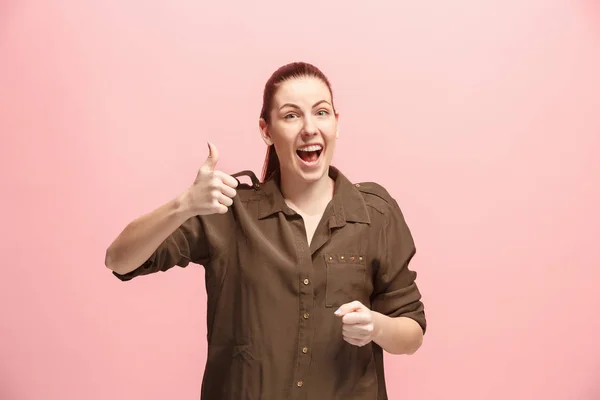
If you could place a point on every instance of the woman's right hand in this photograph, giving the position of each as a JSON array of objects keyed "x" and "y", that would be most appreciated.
[{"x": 212, "y": 191}]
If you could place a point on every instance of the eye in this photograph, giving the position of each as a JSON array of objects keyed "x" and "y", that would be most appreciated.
[
  {"x": 322, "y": 113},
  {"x": 290, "y": 116}
]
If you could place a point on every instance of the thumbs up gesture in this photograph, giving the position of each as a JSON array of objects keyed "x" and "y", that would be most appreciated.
[{"x": 212, "y": 191}]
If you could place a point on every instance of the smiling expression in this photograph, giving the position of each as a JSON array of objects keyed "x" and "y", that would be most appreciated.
[{"x": 303, "y": 127}]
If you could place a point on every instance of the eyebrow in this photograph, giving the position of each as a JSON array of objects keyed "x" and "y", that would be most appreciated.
[{"x": 295, "y": 106}]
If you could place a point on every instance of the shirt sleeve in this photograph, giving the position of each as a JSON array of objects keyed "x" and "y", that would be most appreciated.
[
  {"x": 395, "y": 291},
  {"x": 186, "y": 244}
]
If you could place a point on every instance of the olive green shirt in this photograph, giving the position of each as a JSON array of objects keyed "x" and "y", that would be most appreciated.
[{"x": 272, "y": 332}]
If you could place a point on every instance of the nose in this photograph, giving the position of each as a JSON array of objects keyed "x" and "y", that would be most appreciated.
[{"x": 310, "y": 127}]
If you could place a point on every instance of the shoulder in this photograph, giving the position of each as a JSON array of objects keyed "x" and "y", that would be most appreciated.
[
  {"x": 384, "y": 208},
  {"x": 247, "y": 191},
  {"x": 376, "y": 196}
]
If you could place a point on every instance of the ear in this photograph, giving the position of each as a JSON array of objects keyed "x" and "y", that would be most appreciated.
[
  {"x": 337, "y": 123},
  {"x": 264, "y": 131}
]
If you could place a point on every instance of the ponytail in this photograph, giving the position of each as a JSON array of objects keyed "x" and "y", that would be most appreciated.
[{"x": 271, "y": 164}]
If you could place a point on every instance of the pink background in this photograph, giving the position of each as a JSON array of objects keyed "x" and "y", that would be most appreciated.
[{"x": 481, "y": 117}]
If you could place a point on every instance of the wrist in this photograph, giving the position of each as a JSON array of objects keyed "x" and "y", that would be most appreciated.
[
  {"x": 379, "y": 321},
  {"x": 181, "y": 206}
]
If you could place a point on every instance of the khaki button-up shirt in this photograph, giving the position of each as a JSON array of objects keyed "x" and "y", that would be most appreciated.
[{"x": 272, "y": 332}]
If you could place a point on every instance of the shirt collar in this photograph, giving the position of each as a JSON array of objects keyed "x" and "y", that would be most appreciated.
[{"x": 348, "y": 203}]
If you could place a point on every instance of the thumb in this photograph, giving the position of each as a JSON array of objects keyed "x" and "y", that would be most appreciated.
[
  {"x": 348, "y": 308},
  {"x": 213, "y": 157}
]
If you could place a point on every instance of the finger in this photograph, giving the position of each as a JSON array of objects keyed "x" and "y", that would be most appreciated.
[
  {"x": 349, "y": 307},
  {"x": 356, "y": 317},
  {"x": 356, "y": 331},
  {"x": 347, "y": 333},
  {"x": 227, "y": 180},
  {"x": 211, "y": 160},
  {"x": 220, "y": 209},
  {"x": 227, "y": 190},
  {"x": 226, "y": 201}
]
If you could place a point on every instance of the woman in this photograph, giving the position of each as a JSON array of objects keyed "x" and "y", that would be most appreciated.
[{"x": 306, "y": 273}]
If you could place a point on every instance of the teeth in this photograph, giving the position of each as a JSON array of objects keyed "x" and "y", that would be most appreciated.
[{"x": 315, "y": 147}]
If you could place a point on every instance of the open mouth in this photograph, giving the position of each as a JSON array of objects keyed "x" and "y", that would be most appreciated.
[{"x": 310, "y": 154}]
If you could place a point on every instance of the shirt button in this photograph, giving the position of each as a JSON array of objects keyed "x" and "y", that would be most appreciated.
[
  {"x": 300, "y": 383},
  {"x": 305, "y": 350},
  {"x": 305, "y": 315},
  {"x": 306, "y": 281}
]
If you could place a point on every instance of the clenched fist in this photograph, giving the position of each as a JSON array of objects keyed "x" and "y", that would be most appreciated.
[
  {"x": 212, "y": 191},
  {"x": 358, "y": 327}
]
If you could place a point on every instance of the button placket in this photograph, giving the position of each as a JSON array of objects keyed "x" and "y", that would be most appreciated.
[{"x": 306, "y": 299}]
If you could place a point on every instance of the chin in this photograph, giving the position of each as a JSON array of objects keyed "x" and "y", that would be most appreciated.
[
  {"x": 314, "y": 176},
  {"x": 314, "y": 173}
]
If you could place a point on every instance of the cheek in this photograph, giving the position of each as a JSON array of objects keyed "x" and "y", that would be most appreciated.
[
  {"x": 331, "y": 138},
  {"x": 282, "y": 141},
  {"x": 330, "y": 129},
  {"x": 331, "y": 150}
]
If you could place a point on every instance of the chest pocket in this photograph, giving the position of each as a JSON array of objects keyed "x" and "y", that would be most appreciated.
[{"x": 346, "y": 278}]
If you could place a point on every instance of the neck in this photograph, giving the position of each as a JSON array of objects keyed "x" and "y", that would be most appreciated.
[{"x": 308, "y": 198}]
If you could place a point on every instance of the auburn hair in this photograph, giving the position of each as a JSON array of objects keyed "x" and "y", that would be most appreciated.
[{"x": 284, "y": 73}]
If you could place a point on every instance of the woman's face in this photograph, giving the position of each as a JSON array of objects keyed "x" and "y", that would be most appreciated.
[{"x": 303, "y": 128}]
